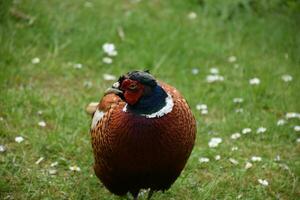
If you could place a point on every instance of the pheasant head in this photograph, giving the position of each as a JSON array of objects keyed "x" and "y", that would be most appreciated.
[{"x": 140, "y": 91}]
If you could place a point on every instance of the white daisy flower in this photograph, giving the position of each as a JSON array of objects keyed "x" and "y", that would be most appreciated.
[
  {"x": 75, "y": 168},
  {"x": 214, "y": 142},
  {"x": 39, "y": 160},
  {"x": 263, "y": 182},
  {"x": 233, "y": 161},
  {"x": 77, "y": 65},
  {"x": 109, "y": 77},
  {"x": 54, "y": 164},
  {"x": 246, "y": 130},
  {"x": 286, "y": 78},
  {"x": 214, "y": 78},
  {"x": 204, "y": 112},
  {"x": 2, "y": 148},
  {"x": 107, "y": 60},
  {"x": 217, "y": 157},
  {"x": 42, "y": 124},
  {"x": 238, "y": 100},
  {"x": 235, "y": 148},
  {"x": 52, "y": 171},
  {"x": 195, "y": 71},
  {"x": 201, "y": 107},
  {"x": 35, "y": 60},
  {"x": 281, "y": 122},
  {"x": 87, "y": 84},
  {"x": 277, "y": 158},
  {"x": 248, "y": 165},
  {"x": 256, "y": 159},
  {"x": 297, "y": 128},
  {"x": 235, "y": 136},
  {"x": 214, "y": 70},
  {"x": 19, "y": 139},
  {"x": 261, "y": 130},
  {"x": 254, "y": 81},
  {"x": 192, "y": 15},
  {"x": 239, "y": 110},
  {"x": 203, "y": 160},
  {"x": 109, "y": 49},
  {"x": 232, "y": 59},
  {"x": 292, "y": 115}
]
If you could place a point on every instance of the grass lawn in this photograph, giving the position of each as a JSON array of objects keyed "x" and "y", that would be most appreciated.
[{"x": 51, "y": 67}]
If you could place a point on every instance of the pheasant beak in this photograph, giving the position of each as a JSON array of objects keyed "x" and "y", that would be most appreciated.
[{"x": 114, "y": 89}]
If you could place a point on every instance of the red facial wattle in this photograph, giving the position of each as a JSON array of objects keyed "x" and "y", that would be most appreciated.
[{"x": 132, "y": 95}]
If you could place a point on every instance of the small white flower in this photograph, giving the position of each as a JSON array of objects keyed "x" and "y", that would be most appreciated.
[
  {"x": 263, "y": 182},
  {"x": 75, "y": 168},
  {"x": 238, "y": 100},
  {"x": 235, "y": 136},
  {"x": 52, "y": 171},
  {"x": 281, "y": 122},
  {"x": 261, "y": 130},
  {"x": 77, "y": 65},
  {"x": 297, "y": 128},
  {"x": 214, "y": 78},
  {"x": 232, "y": 59},
  {"x": 277, "y": 158},
  {"x": 292, "y": 115},
  {"x": 214, "y": 142},
  {"x": 19, "y": 139},
  {"x": 286, "y": 78},
  {"x": 248, "y": 165},
  {"x": 254, "y": 81},
  {"x": 107, "y": 60},
  {"x": 235, "y": 148},
  {"x": 195, "y": 71},
  {"x": 246, "y": 130},
  {"x": 35, "y": 60},
  {"x": 87, "y": 84},
  {"x": 239, "y": 110},
  {"x": 217, "y": 157},
  {"x": 201, "y": 107},
  {"x": 192, "y": 15},
  {"x": 2, "y": 148},
  {"x": 256, "y": 159},
  {"x": 39, "y": 112},
  {"x": 54, "y": 164},
  {"x": 204, "y": 112},
  {"x": 214, "y": 70},
  {"x": 203, "y": 160},
  {"x": 233, "y": 161},
  {"x": 109, "y": 77},
  {"x": 42, "y": 124},
  {"x": 109, "y": 49},
  {"x": 39, "y": 160},
  {"x": 298, "y": 140}
]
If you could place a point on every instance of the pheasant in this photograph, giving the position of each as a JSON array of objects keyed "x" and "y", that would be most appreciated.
[{"x": 143, "y": 132}]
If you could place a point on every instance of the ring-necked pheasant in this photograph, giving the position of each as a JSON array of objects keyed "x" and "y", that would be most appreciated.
[{"x": 143, "y": 132}]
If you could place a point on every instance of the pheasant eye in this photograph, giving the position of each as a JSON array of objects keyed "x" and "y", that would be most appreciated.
[{"x": 132, "y": 86}]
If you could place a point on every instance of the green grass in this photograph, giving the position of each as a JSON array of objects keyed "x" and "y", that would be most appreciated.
[{"x": 158, "y": 36}]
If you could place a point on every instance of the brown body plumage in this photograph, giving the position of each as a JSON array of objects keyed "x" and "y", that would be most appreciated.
[{"x": 133, "y": 152}]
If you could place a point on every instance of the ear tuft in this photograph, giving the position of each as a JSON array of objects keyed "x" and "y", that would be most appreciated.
[{"x": 147, "y": 71}]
